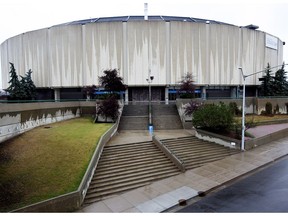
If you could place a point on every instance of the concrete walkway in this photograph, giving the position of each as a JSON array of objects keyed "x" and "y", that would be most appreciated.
[{"x": 164, "y": 194}]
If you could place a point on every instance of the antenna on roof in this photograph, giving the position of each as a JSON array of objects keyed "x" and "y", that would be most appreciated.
[{"x": 145, "y": 11}]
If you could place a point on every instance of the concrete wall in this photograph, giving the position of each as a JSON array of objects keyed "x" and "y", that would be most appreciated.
[
  {"x": 253, "y": 105},
  {"x": 75, "y": 55},
  {"x": 18, "y": 118}
]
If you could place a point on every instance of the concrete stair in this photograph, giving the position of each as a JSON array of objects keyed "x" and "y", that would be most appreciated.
[
  {"x": 195, "y": 152},
  {"x": 134, "y": 117},
  {"x": 128, "y": 166},
  {"x": 166, "y": 117}
]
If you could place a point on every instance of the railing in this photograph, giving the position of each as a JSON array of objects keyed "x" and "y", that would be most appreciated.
[{"x": 171, "y": 155}]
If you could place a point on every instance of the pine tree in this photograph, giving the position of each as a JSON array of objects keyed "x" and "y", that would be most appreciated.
[
  {"x": 266, "y": 87},
  {"x": 28, "y": 87},
  {"x": 280, "y": 84},
  {"x": 21, "y": 90},
  {"x": 14, "y": 89}
]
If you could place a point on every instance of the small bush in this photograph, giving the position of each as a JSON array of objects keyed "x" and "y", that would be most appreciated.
[
  {"x": 191, "y": 107},
  {"x": 213, "y": 117},
  {"x": 268, "y": 108},
  {"x": 234, "y": 108},
  {"x": 276, "y": 110},
  {"x": 109, "y": 108}
]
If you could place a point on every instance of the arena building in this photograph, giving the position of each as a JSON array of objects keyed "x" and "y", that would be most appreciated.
[{"x": 67, "y": 57}]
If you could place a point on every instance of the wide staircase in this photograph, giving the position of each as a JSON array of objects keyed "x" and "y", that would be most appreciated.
[
  {"x": 134, "y": 117},
  {"x": 195, "y": 152},
  {"x": 128, "y": 166},
  {"x": 166, "y": 117}
]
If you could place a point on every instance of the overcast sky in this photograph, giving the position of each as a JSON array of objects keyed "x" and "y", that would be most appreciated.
[{"x": 19, "y": 16}]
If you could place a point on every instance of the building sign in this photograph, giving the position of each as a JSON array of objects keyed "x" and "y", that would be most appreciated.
[{"x": 271, "y": 42}]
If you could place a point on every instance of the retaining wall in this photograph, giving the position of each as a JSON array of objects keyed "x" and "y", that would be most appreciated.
[
  {"x": 20, "y": 117},
  {"x": 252, "y": 105}
]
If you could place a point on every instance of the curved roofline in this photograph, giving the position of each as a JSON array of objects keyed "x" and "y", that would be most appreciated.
[{"x": 141, "y": 18}]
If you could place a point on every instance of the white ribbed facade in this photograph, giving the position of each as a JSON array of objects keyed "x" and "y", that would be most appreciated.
[{"x": 75, "y": 55}]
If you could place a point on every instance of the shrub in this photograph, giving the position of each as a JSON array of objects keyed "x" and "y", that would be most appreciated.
[
  {"x": 268, "y": 108},
  {"x": 191, "y": 107},
  {"x": 109, "y": 108},
  {"x": 234, "y": 108},
  {"x": 213, "y": 117},
  {"x": 276, "y": 110}
]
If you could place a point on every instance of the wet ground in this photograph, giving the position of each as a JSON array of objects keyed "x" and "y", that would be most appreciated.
[{"x": 264, "y": 191}]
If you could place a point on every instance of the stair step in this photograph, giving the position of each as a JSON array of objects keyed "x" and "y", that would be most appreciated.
[
  {"x": 128, "y": 145},
  {"x": 136, "y": 171},
  {"x": 195, "y": 147},
  {"x": 126, "y": 167},
  {"x": 95, "y": 197},
  {"x": 203, "y": 156},
  {"x": 201, "y": 152},
  {"x": 127, "y": 178},
  {"x": 148, "y": 179},
  {"x": 110, "y": 166},
  {"x": 191, "y": 165},
  {"x": 130, "y": 155}
]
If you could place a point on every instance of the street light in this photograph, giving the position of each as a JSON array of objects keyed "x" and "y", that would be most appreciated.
[
  {"x": 149, "y": 80},
  {"x": 243, "y": 102},
  {"x": 243, "y": 112}
]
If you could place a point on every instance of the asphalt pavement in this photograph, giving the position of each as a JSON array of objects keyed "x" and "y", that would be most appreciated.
[{"x": 264, "y": 191}]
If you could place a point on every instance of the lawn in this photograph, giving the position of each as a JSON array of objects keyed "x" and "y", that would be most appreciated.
[
  {"x": 47, "y": 161},
  {"x": 262, "y": 118}
]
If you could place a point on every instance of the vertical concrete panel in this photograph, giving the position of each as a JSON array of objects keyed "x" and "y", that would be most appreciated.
[
  {"x": 138, "y": 52},
  {"x": 15, "y": 54},
  {"x": 188, "y": 51},
  {"x": 4, "y": 61},
  {"x": 66, "y": 55},
  {"x": 168, "y": 53},
  {"x": 125, "y": 59},
  {"x": 158, "y": 51},
  {"x": 103, "y": 49},
  {"x": 181, "y": 50},
  {"x": 35, "y": 55},
  {"x": 146, "y": 50},
  {"x": 223, "y": 52},
  {"x": 273, "y": 56},
  {"x": 253, "y": 53}
]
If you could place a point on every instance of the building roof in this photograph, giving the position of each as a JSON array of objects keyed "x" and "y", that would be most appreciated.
[{"x": 141, "y": 18}]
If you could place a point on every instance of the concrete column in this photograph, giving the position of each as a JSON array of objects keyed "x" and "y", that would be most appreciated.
[
  {"x": 57, "y": 94},
  {"x": 167, "y": 95},
  {"x": 233, "y": 92},
  {"x": 126, "y": 97},
  {"x": 203, "y": 92}
]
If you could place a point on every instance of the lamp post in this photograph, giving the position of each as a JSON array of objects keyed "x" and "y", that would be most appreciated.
[
  {"x": 150, "y": 125},
  {"x": 243, "y": 112},
  {"x": 243, "y": 102}
]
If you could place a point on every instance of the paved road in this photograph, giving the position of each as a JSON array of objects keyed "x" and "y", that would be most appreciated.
[{"x": 264, "y": 191}]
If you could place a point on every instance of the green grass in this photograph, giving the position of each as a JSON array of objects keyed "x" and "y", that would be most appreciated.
[
  {"x": 262, "y": 118},
  {"x": 47, "y": 161}
]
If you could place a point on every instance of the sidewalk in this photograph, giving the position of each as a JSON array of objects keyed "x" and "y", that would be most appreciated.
[{"x": 164, "y": 194}]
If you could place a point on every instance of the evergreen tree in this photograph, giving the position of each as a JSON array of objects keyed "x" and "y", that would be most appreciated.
[
  {"x": 28, "y": 87},
  {"x": 280, "y": 84},
  {"x": 14, "y": 89},
  {"x": 266, "y": 87},
  {"x": 21, "y": 90}
]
